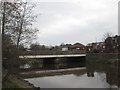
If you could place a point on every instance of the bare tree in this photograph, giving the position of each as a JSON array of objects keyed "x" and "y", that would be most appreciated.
[
  {"x": 10, "y": 14},
  {"x": 17, "y": 19},
  {"x": 106, "y": 35},
  {"x": 25, "y": 31}
]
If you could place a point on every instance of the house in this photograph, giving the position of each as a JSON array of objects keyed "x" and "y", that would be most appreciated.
[
  {"x": 65, "y": 47},
  {"x": 100, "y": 46},
  {"x": 112, "y": 44},
  {"x": 78, "y": 46},
  {"x": 89, "y": 47},
  {"x": 95, "y": 47}
]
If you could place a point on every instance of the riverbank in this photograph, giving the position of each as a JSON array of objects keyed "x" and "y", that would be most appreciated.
[
  {"x": 111, "y": 58},
  {"x": 14, "y": 82}
]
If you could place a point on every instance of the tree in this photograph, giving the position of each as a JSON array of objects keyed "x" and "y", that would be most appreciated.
[
  {"x": 35, "y": 47},
  {"x": 106, "y": 35},
  {"x": 108, "y": 39},
  {"x": 17, "y": 19},
  {"x": 10, "y": 59},
  {"x": 25, "y": 32},
  {"x": 10, "y": 14}
]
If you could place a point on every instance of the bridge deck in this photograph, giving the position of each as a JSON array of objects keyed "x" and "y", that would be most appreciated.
[{"x": 51, "y": 56}]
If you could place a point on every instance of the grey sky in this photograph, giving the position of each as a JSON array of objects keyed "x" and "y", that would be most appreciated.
[{"x": 71, "y": 21}]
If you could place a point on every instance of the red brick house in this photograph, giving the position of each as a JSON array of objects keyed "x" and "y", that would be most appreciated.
[{"x": 78, "y": 46}]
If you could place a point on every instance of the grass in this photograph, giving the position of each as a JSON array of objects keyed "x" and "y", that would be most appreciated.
[
  {"x": 9, "y": 84},
  {"x": 14, "y": 82}
]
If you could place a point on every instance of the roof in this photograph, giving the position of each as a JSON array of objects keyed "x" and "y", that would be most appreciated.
[
  {"x": 78, "y": 45},
  {"x": 91, "y": 44}
]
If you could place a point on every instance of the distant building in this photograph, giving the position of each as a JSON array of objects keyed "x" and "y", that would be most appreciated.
[
  {"x": 78, "y": 46},
  {"x": 65, "y": 49},
  {"x": 95, "y": 47},
  {"x": 90, "y": 47},
  {"x": 111, "y": 45}
]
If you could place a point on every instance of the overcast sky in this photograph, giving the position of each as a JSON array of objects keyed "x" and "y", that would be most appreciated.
[{"x": 72, "y": 21}]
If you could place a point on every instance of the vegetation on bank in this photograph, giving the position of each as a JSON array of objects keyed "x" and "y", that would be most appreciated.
[
  {"x": 14, "y": 82},
  {"x": 53, "y": 52},
  {"x": 106, "y": 58},
  {"x": 9, "y": 84}
]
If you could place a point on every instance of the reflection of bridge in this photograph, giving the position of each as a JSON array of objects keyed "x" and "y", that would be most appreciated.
[{"x": 51, "y": 56}]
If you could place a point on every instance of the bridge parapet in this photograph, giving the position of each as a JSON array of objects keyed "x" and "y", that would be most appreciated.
[{"x": 51, "y": 56}]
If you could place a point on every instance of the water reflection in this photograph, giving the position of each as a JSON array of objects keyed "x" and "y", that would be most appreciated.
[
  {"x": 94, "y": 76},
  {"x": 71, "y": 81},
  {"x": 49, "y": 64},
  {"x": 110, "y": 73},
  {"x": 25, "y": 66}
]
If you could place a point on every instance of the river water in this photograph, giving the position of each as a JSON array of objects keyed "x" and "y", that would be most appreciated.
[{"x": 79, "y": 75}]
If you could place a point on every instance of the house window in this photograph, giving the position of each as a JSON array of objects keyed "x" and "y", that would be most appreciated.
[
  {"x": 89, "y": 49},
  {"x": 64, "y": 49},
  {"x": 113, "y": 46},
  {"x": 97, "y": 43},
  {"x": 103, "y": 46}
]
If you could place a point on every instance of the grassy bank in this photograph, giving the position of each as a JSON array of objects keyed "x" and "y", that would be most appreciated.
[
  {"x": 15, "y": 82},
  {"x": 9, "y": 84}
]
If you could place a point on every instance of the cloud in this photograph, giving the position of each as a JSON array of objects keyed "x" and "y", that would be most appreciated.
[{"x": 76, "y": 20}]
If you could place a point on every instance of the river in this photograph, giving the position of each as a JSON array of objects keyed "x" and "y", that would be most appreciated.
[{"x": 72, "y": 75}]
